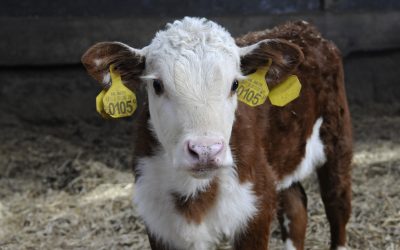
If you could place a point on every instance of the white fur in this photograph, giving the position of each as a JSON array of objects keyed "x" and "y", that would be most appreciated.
[
  {"x": 289, "y": 245},
  {"x": 314, "y": 157},
  {"x": 197, "y": 60},
  {"x": 98, "y": 62},
  {"x": 107, "y": 80},
  {"x": 245, "y": 50},
  {"x": 341, "y": 248},
  {"x": 235, "y": 204},
  {"x": 286, "y": 223}
]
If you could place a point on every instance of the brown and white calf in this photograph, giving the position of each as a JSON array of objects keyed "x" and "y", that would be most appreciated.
[{"x": 209, "y": 167}]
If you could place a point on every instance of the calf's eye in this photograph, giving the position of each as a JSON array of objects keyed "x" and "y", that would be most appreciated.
[
  {"x": 158, "y": 86},
  {"x": 235, "y": 85}
]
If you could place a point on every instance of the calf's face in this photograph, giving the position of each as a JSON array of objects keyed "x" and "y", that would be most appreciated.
[{"x": 191, "y": 73}]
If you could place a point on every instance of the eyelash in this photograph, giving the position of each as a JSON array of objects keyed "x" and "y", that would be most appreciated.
[{"x": 235, "y": 85}]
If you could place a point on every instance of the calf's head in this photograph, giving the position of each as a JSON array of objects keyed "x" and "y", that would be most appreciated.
[{"x": 191, "y": 71}]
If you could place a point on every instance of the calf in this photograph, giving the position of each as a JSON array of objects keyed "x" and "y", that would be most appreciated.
[{"x": 208, "y": 166}]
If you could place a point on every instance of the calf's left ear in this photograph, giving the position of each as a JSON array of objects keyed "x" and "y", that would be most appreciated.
[
  {"x": 285, "y": 57},
  {"x": 128, "y": 62}
]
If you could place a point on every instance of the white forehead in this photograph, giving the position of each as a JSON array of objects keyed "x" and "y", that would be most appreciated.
[
  {"x": 192, "y": 34},
  {"x": 195, "y": 47}
]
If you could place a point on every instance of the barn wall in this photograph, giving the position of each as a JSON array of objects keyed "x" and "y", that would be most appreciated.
[{"x": 42, "y": 41}]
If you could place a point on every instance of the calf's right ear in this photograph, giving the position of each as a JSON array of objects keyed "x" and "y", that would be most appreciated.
[{"x": 128, "y": 62}]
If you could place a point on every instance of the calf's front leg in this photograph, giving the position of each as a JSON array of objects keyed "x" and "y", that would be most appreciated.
[{"x": 292, "y": 215}]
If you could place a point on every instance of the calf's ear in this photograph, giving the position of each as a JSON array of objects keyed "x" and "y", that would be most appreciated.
[
  {"x": 128, "y": 62},
  {"x": 284, "y": 55}
]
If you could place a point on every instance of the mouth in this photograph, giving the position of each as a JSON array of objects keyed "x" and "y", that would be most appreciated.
[{"x": 203, "y": 171}]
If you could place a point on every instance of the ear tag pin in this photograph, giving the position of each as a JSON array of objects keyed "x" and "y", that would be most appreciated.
[
  {"x": 118, "y": 101},
  {"x": 253, "y": 90}
]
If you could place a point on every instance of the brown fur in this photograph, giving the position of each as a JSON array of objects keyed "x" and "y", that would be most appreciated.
[
  {"x": 268, "y": 142},
  {"x": 285, "y": 57},
  {"x": 128, "y": 64},
  {"x": 322, "y": 95},
  {"x": 252, "y": 166},
  {"x": 195, "y": 208}
]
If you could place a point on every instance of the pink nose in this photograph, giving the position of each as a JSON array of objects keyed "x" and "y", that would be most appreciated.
[{"x": 205, "y": 150}]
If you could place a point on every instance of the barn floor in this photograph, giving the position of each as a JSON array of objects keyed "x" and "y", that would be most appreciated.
[{"x": 69, "y": 186}]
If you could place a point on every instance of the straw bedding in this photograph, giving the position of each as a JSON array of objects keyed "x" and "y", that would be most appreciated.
[{"x": 70, "y": 187}]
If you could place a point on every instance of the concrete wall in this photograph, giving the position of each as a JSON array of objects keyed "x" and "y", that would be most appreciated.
[
  {"x": 59, "y": 40},
  {"x": 156, "y": 8},
  {"x": 42, "y": 42}
]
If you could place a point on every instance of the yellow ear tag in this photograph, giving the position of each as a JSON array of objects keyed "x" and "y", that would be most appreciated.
[
  {"x": 100, "y": 106},
  {"x": 118, "y": 101},
  {"x": 253, "y": 90},
  {"x": 285, "y": 92}
]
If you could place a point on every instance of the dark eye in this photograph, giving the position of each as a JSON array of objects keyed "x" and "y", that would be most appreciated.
[
  {"x": 158, "y": 86},
  {"x": 235, "y": 85}
]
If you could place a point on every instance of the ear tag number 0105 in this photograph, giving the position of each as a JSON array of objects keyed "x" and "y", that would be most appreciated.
[
  {"x": 253, "y": 90},
  {"x": 118, "y": 101}
]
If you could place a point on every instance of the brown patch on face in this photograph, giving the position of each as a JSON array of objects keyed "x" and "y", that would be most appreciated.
[{"x": 195, "y": 208}]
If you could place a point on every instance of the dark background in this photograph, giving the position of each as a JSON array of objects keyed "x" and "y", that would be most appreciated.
[{"x": 42, "y": 41}]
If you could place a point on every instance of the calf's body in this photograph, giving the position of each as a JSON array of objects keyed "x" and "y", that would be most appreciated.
[
  {"x": 271, "y": 149},
  {"x": 312, "y": 133}
]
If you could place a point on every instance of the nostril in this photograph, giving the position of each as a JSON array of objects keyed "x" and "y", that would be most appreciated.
[{"x": 192, "y": 151}]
